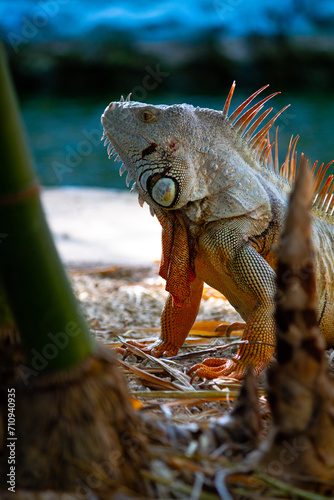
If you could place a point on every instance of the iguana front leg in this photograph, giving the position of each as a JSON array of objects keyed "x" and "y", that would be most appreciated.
[
  {"x": 254, "y": 279},
  {"x": 176, "y": 323}
]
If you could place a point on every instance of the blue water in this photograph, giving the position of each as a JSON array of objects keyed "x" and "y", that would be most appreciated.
[{"x": 64, "y": 134}]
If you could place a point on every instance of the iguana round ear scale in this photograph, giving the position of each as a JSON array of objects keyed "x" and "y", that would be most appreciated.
[{"x": 163, "y": 190}]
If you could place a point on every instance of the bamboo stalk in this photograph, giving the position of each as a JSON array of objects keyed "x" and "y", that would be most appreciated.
[
  {"x": 37, "y": 287},
  {"x": 74, "y": 421}
]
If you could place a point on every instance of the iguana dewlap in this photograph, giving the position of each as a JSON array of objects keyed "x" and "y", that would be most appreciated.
[{"x": 221, "y": 200}]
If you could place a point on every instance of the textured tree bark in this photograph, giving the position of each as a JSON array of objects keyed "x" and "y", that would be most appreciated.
[
  {"x": 299, "y": 448},
  {"x": 78, "y": 429}
]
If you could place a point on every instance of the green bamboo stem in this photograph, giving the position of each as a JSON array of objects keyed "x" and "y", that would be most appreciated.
[{"x": 53, "y": 330}]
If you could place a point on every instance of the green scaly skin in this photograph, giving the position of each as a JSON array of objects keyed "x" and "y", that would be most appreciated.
[{"x": 221, "y": 201}]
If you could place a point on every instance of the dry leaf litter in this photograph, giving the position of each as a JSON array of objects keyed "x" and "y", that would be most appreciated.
[{"x": 194, "y": 455}]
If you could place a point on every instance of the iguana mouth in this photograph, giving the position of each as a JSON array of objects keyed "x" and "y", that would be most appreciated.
[
  {"x": 162, "y": 189},
  {"x": 113, "y": 148},
  {"x": 112, "y": 151}
]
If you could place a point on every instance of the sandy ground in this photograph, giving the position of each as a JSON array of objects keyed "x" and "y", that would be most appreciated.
[{"x": 101, "y": 227}]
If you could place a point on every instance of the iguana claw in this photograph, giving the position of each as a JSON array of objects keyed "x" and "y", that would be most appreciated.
[
  {"x": 212, "y": 368},
  {"x": 164, "y": 348},
  {"x": 160, "y": 348}
]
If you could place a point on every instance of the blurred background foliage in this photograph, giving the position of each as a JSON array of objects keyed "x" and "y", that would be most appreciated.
[{"x": 70, "y": 58}]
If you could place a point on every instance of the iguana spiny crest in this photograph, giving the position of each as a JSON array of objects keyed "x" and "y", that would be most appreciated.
[{"x": 176, "y": 153}]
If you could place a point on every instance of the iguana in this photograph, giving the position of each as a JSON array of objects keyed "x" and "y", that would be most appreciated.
[{"x": 216, "y": 187}]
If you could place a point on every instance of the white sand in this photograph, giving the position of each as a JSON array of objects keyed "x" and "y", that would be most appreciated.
[{"x": 101, "y": 227}]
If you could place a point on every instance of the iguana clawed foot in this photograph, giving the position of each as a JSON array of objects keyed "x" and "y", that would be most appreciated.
[
  {"x": 160, "y": 348},
  {"x": 212, "y": 368}
]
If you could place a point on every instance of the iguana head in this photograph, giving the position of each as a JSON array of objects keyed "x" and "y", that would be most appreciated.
[
  {"x": 180, "y": 154},
  {"x": 157, "y": 146}
]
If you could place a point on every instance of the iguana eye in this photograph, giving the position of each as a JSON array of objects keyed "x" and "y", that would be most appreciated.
[{"x": 147, "y": 116}]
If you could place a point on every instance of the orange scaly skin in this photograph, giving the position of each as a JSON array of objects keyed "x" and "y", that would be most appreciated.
[
  {"x": 221, "y": 200},
  {"x": 176, "y": 322}
]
